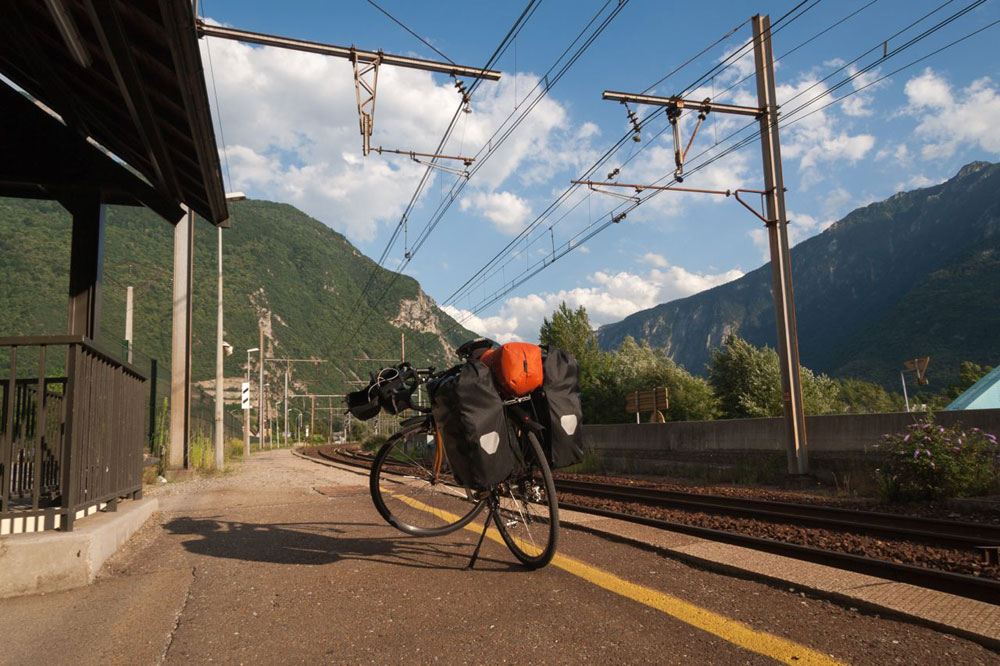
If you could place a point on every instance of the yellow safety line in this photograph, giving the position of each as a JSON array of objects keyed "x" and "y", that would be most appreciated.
[{"x": 733, "y": 631}]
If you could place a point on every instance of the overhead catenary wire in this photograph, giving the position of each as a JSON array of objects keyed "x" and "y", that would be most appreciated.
[
  {"x": 473, "y": 281},
  {"x": 407, "y": 29},
  {"x": 400, "y": 226},
  {"x": 729, "y": 61},
  {"x": 788, "y": 119},
  {"x": 491, "y": 146},
  {"x": 538, "y": 268},
  {"x": 598, "y": 226}
]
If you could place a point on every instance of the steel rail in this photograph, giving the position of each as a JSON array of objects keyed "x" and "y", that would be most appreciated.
[
  {"x": 970, "y": 587},
  {"x": 961, "y": 534}
]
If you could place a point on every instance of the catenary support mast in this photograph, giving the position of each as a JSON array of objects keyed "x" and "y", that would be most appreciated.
[{"x": 774, "y": 218}]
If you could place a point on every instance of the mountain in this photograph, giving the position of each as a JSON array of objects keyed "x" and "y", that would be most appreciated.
[
  {"x": 913, "y": 275},
  {"x": 283, "y": 271}
]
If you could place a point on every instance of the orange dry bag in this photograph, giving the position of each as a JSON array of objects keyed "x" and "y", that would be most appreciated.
[{"x": 517, "y": 367}]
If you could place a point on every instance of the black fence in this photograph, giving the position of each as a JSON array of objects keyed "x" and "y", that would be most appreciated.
[{"x": 72, "y": 430}]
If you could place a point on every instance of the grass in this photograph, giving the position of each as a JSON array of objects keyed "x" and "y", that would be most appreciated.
[{"x": 201, "y": 453}]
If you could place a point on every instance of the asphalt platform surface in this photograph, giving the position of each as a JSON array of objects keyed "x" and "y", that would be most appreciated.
[{"x": 287, "y": 562}]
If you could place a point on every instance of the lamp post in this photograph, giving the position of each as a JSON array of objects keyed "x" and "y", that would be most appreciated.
[
  {"x": 246, "y": 412},
  {"x": 220, "y": 352}
]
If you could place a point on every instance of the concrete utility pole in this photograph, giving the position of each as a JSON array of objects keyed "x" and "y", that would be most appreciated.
[
  {"x": 260, "y": 394},
  {"x": 219, "y": 355},
  {"x": 774, "y": 218}
]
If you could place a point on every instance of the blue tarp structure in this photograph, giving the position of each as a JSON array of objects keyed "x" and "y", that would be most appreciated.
[{"x": 984, "y": 394}]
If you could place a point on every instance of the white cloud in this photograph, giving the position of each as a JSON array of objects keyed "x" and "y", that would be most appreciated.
[
  {"x": 915, "y": 182},
  {"x": 611, "y": 297},
  {"x": 819, "y": 137},
  {"x": 499, "y": 328},
  {"x": 291, "y": 128},
  {"x": 800, "y": 227},
  {"x": 900, "y": 154},
  {"x": 655, "y": 259},
  {"x": 863, "y": 85},
  {"x": 507, "y": 211},
  {"x": 950, "y": 119}
]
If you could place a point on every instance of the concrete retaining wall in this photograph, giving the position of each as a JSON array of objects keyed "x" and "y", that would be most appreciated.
[{"x": 834, "y": 433}]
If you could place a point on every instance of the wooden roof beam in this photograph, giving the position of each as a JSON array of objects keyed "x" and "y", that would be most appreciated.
[{"x": 111, "y": 34}]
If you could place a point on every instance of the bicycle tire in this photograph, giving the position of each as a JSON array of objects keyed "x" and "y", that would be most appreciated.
[
  {"x": 406, "y": 492},
  {"x": 526, "y": 509}
]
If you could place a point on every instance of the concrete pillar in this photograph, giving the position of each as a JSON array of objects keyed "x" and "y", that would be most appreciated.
[{"x": 180, "y": 356}]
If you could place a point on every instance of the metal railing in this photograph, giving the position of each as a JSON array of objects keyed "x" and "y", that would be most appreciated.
[{"x": 71, "y": 430}]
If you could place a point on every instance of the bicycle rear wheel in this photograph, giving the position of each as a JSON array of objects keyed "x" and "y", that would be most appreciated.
[
  {"x": 413, "y": 488},
  {"x": 527, "y": 509}
]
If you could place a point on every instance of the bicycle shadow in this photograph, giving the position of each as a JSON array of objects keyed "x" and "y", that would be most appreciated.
[{"x": 312, "y": 543}]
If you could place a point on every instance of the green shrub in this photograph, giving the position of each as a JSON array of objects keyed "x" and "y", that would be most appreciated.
[
  {"x": 931, "y": 461},
  {"x": 234, "y": 448},
  {"x": 200, "y": 454},
  {"x": 373, "y": 443}
]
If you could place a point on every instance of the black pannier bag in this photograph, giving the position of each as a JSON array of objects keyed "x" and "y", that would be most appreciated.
[
  {"x": 364, "y": 404},
  {"x": 392, "y": 390},
  {"x": 386, "y": 391},
  {"x": 470, "y": 417},
  {"x": 557, "y": 404}
]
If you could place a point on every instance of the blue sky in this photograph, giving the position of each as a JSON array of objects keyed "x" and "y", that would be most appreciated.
[{"x": 290, "y": 128}]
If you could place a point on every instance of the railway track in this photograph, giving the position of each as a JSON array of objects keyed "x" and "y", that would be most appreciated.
[
  {"x": 938, "y": 532},
  {"x": 946, "y": 533}
]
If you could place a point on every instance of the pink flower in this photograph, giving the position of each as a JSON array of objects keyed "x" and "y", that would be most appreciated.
[{"x": 916, "y": 453}]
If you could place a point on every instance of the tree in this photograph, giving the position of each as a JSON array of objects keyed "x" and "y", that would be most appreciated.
[
  {"x": 747, "y": 382},
  {"x": 571, "y": 331},
  {"x": 860, "y": 397},
  {"x": 746, "y": 379},
  {"x": 968, "y": 374},
  {"x": 637, "y": 367}
]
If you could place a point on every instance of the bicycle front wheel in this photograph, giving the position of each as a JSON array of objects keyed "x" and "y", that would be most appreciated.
[
  {"x": 527, "y": 509},
  {"x": 413, "y": 488}
]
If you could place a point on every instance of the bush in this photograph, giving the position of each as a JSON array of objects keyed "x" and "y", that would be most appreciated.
[
  {"x": 373, "y": 443},
  {"x": 931, "y": 461}
]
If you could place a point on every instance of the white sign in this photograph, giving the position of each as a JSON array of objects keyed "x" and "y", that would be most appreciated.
[{"x": 245, "y": 395}]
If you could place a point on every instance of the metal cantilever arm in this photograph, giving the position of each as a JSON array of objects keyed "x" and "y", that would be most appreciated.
[{"x": 750, "y": 208}]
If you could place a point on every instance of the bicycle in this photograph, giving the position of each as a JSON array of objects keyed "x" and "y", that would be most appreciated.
[{"x": 415, "y": 491}]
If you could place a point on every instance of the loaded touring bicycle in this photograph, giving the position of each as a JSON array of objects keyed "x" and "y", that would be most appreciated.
[{"x": 497, "y": 425}]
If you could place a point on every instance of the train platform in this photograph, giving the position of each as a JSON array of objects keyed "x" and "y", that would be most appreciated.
[{"x": 286, "y": 561}]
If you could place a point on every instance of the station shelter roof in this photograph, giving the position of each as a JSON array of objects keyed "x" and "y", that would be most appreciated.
[
  {"x": 984, "y": 394},
  {"x": 117, "y": 103}
]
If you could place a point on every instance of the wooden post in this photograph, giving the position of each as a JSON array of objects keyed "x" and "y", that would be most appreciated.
[{"x": 86, "y": 267}]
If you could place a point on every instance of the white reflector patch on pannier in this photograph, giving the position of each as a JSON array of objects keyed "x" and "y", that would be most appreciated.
[
  {"x": 568, "y": 423},
  {"x": 489, "y": 442}
]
